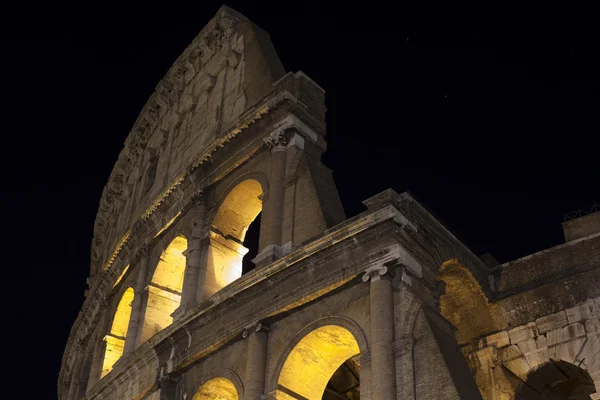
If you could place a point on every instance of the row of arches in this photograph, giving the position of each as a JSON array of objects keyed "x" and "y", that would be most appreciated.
[
  {"x": 223, "y": 261},
  {"x": 322, "y": 364}
]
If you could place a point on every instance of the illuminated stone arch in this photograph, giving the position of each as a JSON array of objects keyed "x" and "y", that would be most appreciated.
[
  {"x": 115, "y": 339},
  {"x": 464, "y": 303},
  {"x": 164, "y": 289},
  {"x": 315, "y": 355},
  {"x": 236, "y": 210},
  {"x": 556, "y": 380},
  {"x": 224, "y": 385}
]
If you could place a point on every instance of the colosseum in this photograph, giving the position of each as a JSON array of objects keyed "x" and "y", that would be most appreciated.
[{"x": 388, "y": 304}]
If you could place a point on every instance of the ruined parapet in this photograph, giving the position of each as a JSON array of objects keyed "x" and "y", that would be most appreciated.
[{"x": 582, "y": 223}]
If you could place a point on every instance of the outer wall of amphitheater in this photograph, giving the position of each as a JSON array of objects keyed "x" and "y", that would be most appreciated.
[{"x": 384, "y": 305}]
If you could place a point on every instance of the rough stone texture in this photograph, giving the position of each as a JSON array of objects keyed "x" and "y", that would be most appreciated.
[
  {"x": 578, "y": 228},
  {"x": 228, "y": 134}
]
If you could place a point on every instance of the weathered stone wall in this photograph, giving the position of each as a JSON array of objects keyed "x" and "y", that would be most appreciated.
[
  {"x": 571, "y": 335},
  {"x": 583, "y": 226},
  {"x": 557, "y": 262},
  {"x": 225, "y": 114}
]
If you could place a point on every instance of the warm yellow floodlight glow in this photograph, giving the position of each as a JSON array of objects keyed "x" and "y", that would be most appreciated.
[
  {"x": 313, "y": 361},
  {"x": 171, "y": 267},
  {"x": 464, "y": 303},
  {"x": 226, "y": 252},
  {"x": 121, "y": 276},
  {"x": 239, "y": 209},
  {"x": 115, "y": 340},
  {"x": 164, "y": 291},
  {"x": 217, "y": 389}
]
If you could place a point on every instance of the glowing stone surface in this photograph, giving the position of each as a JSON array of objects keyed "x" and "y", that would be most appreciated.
[
  {"x": 313, "y": 361},
  {"x": 164, "y": 291},
  {"x": 226, "y": 252},
  {"x": 217, "y": 389},
  {"x": 115, "y": 340}
]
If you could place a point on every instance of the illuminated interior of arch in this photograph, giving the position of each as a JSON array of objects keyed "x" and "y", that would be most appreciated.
[
  {"x": 464, "y": 304},
  {"x": 228, "y": 230},
  {"x": 115, "y": 340},
  {"x": 217, "y": 389},
  {"x": 309, "y": 369},
  {"x": 164, "y": 290}
]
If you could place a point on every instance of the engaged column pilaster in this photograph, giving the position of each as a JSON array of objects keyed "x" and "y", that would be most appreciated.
[
  {"x": 272, "y": 221},
  {"x": 138, "y": 302},
  {"x": 256, "y": 361},
  {"x": 195, "y": 268},
  {"x": 381, "y": 307}
]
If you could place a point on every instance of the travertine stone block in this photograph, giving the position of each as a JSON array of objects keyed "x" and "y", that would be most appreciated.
[
  {"x": 499, "y": 339},
  {"x": 582, "y": 311},
  {"x": 553, "y": 321},
  {"x": 521, "y": 333}
]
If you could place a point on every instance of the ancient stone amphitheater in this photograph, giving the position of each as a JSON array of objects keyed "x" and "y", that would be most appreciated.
[{"x": 385, "y": 305}]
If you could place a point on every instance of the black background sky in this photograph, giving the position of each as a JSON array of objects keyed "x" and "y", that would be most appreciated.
[{"x": 489, "y": 116}]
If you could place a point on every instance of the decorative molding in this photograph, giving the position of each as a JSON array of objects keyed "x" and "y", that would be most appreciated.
[
  {"x": 258, "y": 327},
  {"x": 374, "y": 273},
  {"x": 290, "y": 131}
]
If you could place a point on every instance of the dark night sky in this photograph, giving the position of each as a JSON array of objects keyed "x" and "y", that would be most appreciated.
[{"x": 489, "y": 116}]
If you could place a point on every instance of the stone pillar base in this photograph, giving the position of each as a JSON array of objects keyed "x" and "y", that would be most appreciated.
[{"x": 269, "y": 254}]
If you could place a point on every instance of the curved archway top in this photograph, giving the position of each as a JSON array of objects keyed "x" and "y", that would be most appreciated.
[
  {"x": 556, "y": 380},
  {"x": 192, "y": 87},
  {"x": 316, "y": 353},
  {"x": 120, "y": 321},
  {"x": 239, "y": 208},
  {"x": 464, "y": 303},
  {"x": 217, "y": 388},
  {"x": 170, "y": 269}
]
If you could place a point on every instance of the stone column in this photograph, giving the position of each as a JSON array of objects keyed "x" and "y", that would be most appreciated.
[
  {"x": 168, "y": 387},
  {"x": 272, "y": 220},
  {"x": 381, "y": 308},
  {"x": 195, "y": 265},
  {"x": 256, "y": 361},
  {"x": 139, "y": 298}
]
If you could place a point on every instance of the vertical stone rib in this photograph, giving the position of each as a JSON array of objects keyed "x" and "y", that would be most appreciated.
[
  {"x": 381, "y": 307},
  {"x": 276, "y": 192},
  {"x": 256, "y": 363},
  {"x": 195, "y": 260},
  {"x": 136, "y": 317}
]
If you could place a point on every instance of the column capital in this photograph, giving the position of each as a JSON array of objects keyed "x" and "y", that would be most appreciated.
[
  {"x": 279, "y": 139},
  {"x": 255, "y": 328},
  {"x": 375, "y": 273}
]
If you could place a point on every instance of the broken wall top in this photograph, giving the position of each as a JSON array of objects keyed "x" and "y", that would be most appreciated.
[{"x": 230, "y": 66}]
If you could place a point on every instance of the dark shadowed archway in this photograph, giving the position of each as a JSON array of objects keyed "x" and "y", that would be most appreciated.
[{"x": 557, "y": 380}]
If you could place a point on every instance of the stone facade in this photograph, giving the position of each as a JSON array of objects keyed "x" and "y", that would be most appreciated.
[{"x": 385, "y": 305}]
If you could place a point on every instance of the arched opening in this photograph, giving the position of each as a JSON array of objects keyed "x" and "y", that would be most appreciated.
[
  {"x": 115, "y": 340},
  {"x": 228, "y": 231},
  {"x": 464, "y": 304},
  {"x": 164, "y": 290},
  {"x": 557, "y": 380},
  {"x": 323, "y": 365},
  {"x": 217, "y": 389},
  {"x": 251, "y": 243}
]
